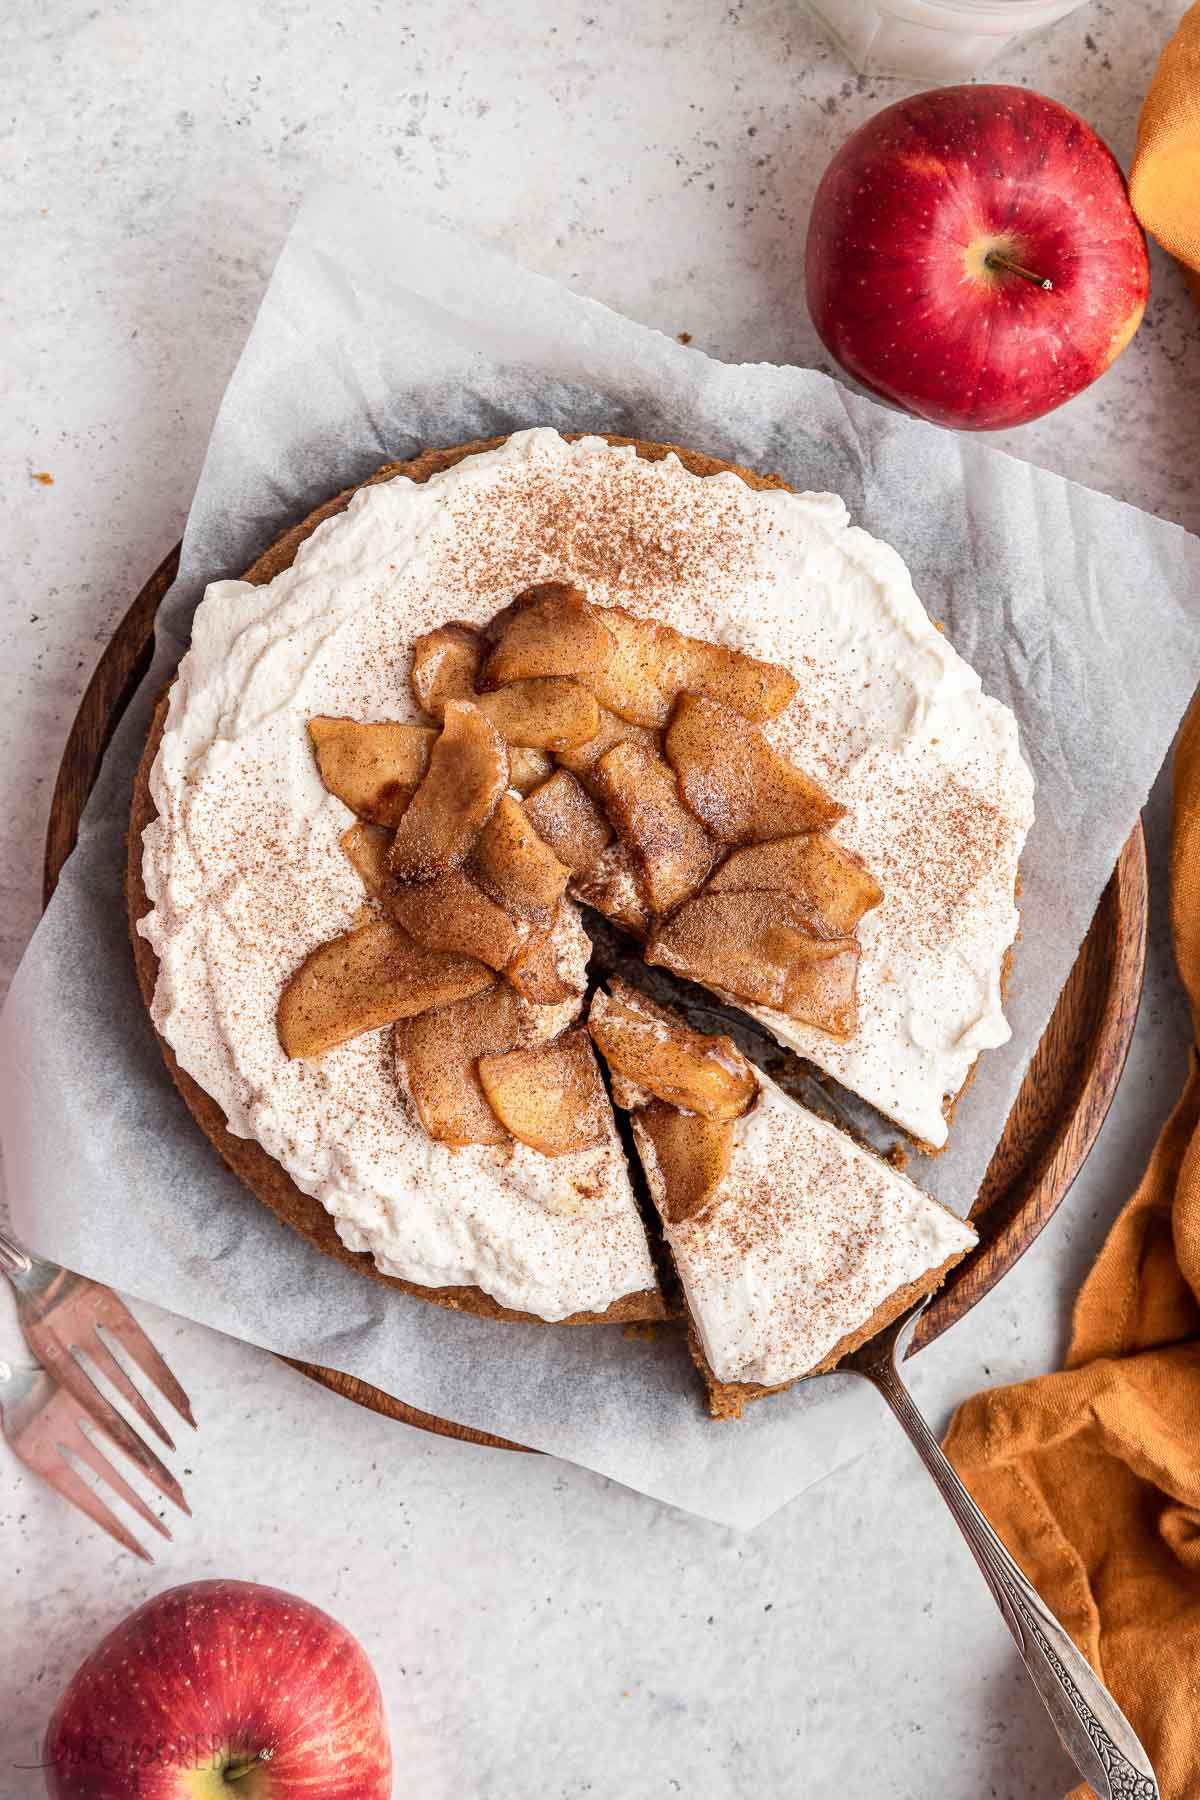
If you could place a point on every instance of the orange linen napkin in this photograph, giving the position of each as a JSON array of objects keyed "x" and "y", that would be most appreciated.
[
  {"x": 1092, "y": 1476},
  {"x": 1164, "y": 183}
]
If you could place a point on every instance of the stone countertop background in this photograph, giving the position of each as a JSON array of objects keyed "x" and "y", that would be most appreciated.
[{"x": 535, "y": 1628}]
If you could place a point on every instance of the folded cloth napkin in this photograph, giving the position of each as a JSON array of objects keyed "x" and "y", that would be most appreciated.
[
  {"x": 1164, "y": 183},
  {"x": 1092, "y": 1476}
]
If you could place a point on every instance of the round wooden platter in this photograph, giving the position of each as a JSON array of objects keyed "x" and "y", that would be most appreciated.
[{"x": 1062, "y": 1104}]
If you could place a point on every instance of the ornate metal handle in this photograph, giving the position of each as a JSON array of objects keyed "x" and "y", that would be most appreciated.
[
  {"x": 1093, "y": 1729},
  {"x": 13, "y": 1260}
]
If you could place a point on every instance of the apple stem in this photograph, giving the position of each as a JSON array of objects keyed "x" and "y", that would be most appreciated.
[
  {"x": 235, "y": 1771},
  {"x": 996, "y": 259}
]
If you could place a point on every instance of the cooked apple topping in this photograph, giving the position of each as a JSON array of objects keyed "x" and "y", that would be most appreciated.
[
  {"x": 445, "y": 666},
  {"x": 756, "y": 690},
  {"x": 511, "y": 863},
  {"x": 834, "y": 884},
  {"x": 527, "y": 769},
  {"x": 822, "y": 988},
  {"x": 369, "y": 849},
  {"x": 565, "y": 816},
  {"x": 645, "y": 667},
  {"x": 467, "y": 773},
  {"x": 735, "y": 783},
  {"x": 613, "y": 885},
  {"x": 548, "y": 712},
  {"x": 452, "y": 913},
  {"x": 373, "y": 769},
  {"x": 551, "y": 629},
  {"x": 437, "y": 1053},
  {"x": 761, "y": 947},
  {"x": 634, "y": 666},
  {"x": 601, "y": 722},
  {"x": 365, "y": 979},
  {"x": 672, "y": 850},
  {"x": 536, "y": 970},
  {"x": 610, "y": 731},
  {"x": 650, "y": 663},
  {"x": 551, "y": 1097},
  {"x": 692, "y": 1157},
  {"x": 702, "y": 1074}
]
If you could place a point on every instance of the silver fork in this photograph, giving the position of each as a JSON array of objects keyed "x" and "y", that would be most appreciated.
[
  {"x": 63, "y": 1316},
  {"x": 43, "y": 1425},
  {"x": 1094, "y": 1731}
]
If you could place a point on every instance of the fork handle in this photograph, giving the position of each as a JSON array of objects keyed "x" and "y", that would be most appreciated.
[
  {"x": 13, "y": 1260},
  {"x": 1094, "y": 1731}
]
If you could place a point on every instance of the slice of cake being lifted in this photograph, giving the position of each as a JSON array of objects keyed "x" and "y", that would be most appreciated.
[{"x": 792, "y": 1243}]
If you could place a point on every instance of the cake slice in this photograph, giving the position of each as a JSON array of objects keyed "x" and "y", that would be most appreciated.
[{"x": 793, "y": 1244}]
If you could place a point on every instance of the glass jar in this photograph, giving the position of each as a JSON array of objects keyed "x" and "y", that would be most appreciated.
[{"x": 933, "y": 40}]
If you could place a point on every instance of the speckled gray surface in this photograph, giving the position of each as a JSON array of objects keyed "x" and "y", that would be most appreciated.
[{"x": 535, "y": 1628}]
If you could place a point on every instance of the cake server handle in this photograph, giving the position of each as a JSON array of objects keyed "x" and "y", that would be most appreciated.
[
  {"x": 1095, "y": 1732},
  {"x": 13, "y": 1260}
]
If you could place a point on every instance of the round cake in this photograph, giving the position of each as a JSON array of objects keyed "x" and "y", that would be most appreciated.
[{"x": 245, "y": 868}]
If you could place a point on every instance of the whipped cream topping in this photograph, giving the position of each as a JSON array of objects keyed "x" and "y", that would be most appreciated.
[
  {"x": 808, "y": 1235},
  {"x": 245, "y": 874}
]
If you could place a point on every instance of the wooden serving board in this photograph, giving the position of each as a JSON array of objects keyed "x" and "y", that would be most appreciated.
[{"x": 1062, "y": 1104}]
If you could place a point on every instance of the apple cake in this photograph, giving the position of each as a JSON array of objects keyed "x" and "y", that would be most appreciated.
[{"x": 504, "y": 683}]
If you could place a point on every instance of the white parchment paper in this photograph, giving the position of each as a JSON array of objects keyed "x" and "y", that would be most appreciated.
[{"x": 379, "y": 336}]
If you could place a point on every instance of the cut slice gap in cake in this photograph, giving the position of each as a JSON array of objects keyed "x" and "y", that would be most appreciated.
[{"x": 664, "y": 1268}]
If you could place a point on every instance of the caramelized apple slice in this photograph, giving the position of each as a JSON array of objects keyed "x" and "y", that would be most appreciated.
[
  {"x": 613, "y": 885},
  {"x": 551, "y": 966},
  {"x": 650, "y": 663},
  {"x": 673, "y": 852},
  {"x": 518, "y": 876},
  {"x": 534, "y": 971},
  {"x": 369, "y": 848},
  {"x": 527, "y": 769},
  {"x": 467, "y": 773},
  {"x": 691, "y": 1157},
  {"x": 565, "y": 816},
  {"x": 445, "y": 667},
  {"x": 451, "y": 913},
  {"x": 739, "y": 943},
  {"x": 706, "y": 1075},
  {"x": 365, "y": 979},
  {"x": 822, "y": 986},
  {"x": 610, "y": 730},
  {"x": 548, "y": 712},
  {"x": 512, "y": 864},
  {"x": 735, "y": 783},
  {"x": 644, "y": 670},
  {"x": 835, "y": 885},
  {"x": 761, "y": 947},
  {"x": 436, "y": 1054},
  {"x": 373, "y": 769},
  {"x": 757, "y": 690},
  {"x": 551, "y": 1097},
  {"x": 548, "y": 630}
]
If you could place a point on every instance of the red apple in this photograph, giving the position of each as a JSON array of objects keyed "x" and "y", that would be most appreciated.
[
  {"x": 222, "y": 1690},
  {"x": 972, "y": 256}
]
